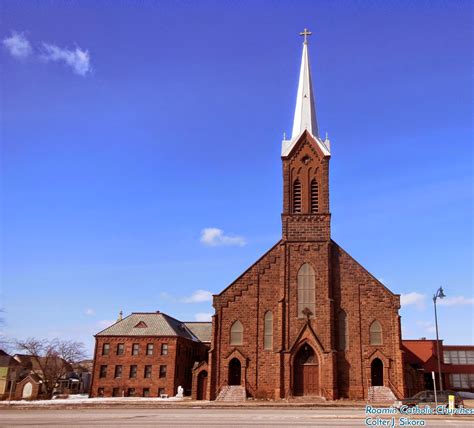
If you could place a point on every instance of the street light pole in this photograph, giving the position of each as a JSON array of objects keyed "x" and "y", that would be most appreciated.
[{"x": 441, "y": 295}]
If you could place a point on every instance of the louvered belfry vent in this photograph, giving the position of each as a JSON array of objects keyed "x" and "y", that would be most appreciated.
[
  {"x": 314, "y": 196},
  {"x": 297, "y": 196}
]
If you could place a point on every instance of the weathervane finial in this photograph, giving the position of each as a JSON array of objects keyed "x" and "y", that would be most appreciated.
[{"x": 305, "y": 34}]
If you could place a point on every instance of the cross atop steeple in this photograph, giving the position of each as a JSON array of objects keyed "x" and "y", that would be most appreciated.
[{"x": 305, "y": 34}]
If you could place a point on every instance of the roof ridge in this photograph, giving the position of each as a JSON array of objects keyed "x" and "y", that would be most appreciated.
[
  {"x": 197, "y": 322},
  {"x": 116, "y": 322}
]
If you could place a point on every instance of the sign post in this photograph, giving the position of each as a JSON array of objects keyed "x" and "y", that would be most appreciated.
[{"x": 434, "y": 386}]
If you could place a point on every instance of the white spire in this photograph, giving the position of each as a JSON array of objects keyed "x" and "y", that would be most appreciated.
[
  {"x": 305, "y": 115},
  {"x": 305, "y": 111}
]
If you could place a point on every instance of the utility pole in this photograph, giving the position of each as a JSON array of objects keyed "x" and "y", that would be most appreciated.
[{"x": 439, "y": 294}]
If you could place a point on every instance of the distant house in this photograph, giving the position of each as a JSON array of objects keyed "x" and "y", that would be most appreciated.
[
  {"x": 30, "y": 382},
  {"x": 83, "y": 371},
  {"x": 10, "y": 370},
  {"x": 148, "y": 354}
]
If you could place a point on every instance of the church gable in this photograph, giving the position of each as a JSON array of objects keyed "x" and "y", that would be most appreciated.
[
  {"x": 249, "y": 278},
  {"x": 346, "y": 269},
  {"x": 307, "y": 335},
  {"x": 306, "y": 140}
]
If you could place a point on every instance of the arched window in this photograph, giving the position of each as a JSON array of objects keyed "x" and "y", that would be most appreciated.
[
  {"x": 376, "y": 333},
  {"x": 297, "y": 196},
  {"x": 342, "y": 330},
  {"x": 237, "y": 333},
  {"x": 268, "y": 331},
  {"x": 314, "y": 196},
  {"x": 306, "y": 291}
]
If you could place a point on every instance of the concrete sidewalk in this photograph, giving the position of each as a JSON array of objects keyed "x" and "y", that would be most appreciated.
[{"x": 156, "y": 403}]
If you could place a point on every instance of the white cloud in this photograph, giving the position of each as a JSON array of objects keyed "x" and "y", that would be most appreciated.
[
  {"x": 455, "y": 301},
  {"x": 78, "y": 59},
  {"x": 413, "y": 298},
  {"x": 18, "y": 45},
  {"x": 214, "y": 237},
  {"x": 89, "y": 311},
  {"x": 198, "y": 297},
  {"x": 427, "y": 326},
  {"x": 203, "y": 316}
]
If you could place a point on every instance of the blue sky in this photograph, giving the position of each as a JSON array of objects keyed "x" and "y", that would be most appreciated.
[{"x": 130, "y": 127}]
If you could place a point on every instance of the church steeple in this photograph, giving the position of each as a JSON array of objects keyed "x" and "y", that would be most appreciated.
[
  {"x": 305, "y": 110},
  {"x": 305, "y": 160},
  {"x": 305, "y": 114}
]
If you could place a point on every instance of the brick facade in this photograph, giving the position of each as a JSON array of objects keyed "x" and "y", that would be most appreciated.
[
  {"x": 179, "y": 360},
  {"x": 341, "y": 284}
]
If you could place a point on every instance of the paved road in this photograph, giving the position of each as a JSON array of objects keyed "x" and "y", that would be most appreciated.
[{"x": 198, "y": 417}]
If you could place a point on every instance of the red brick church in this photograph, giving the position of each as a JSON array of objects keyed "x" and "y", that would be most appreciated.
[{"x": 306, "y": 319}]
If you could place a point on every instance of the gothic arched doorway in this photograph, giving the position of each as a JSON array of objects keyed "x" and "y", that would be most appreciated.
[
  {"x": 306, "y": 372},
  {"x": 235, "y": 370},
  {"x": 376, "y": 372},
  {"x": 202, "y": 385}
]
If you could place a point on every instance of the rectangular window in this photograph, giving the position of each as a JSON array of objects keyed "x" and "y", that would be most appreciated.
[
  {"x": 135, "y": 348},
  {"x": 118, "y": 371},
  {"x": 462, "y": 380},
  {"x": 162, "y": 371},
  {"x": 149, "y": 349},
  {"x": 161, "y": 392},
  {"x": 164, "y": 349},
  {"x": 105, "y": 349},
  {"x": 100, "y": 392},
  {"x": 131, "y": 392},
  {"x": 116, "y": 392},
  {"x": 147, "y": 373},
  {"x": 103, "y": 371},
  {"x": 133, "y": 371},
  {"x": 120, "y": 349},
  {"x": 459, "y": 357},
  {"x": 146, "y": 392}
]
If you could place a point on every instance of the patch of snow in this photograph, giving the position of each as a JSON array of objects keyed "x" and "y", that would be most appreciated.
[{"x": 83, "y": 398}]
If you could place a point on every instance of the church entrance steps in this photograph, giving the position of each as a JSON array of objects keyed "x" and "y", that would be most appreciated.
[
  {"x": 381, "y": 394},
  {"x": 234, "y": 393}
]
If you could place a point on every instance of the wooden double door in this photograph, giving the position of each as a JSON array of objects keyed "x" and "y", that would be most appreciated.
[{"x": 306, "y": 372}]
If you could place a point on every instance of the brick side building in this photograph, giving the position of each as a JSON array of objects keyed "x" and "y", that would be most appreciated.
[
  {"x": 147, "y": 355},
  {"x": 306, "y": 318},
  {"x": 420, "y": 359}
]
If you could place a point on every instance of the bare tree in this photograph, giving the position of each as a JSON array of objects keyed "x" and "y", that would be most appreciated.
[{"x": 51, "y": 359}]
